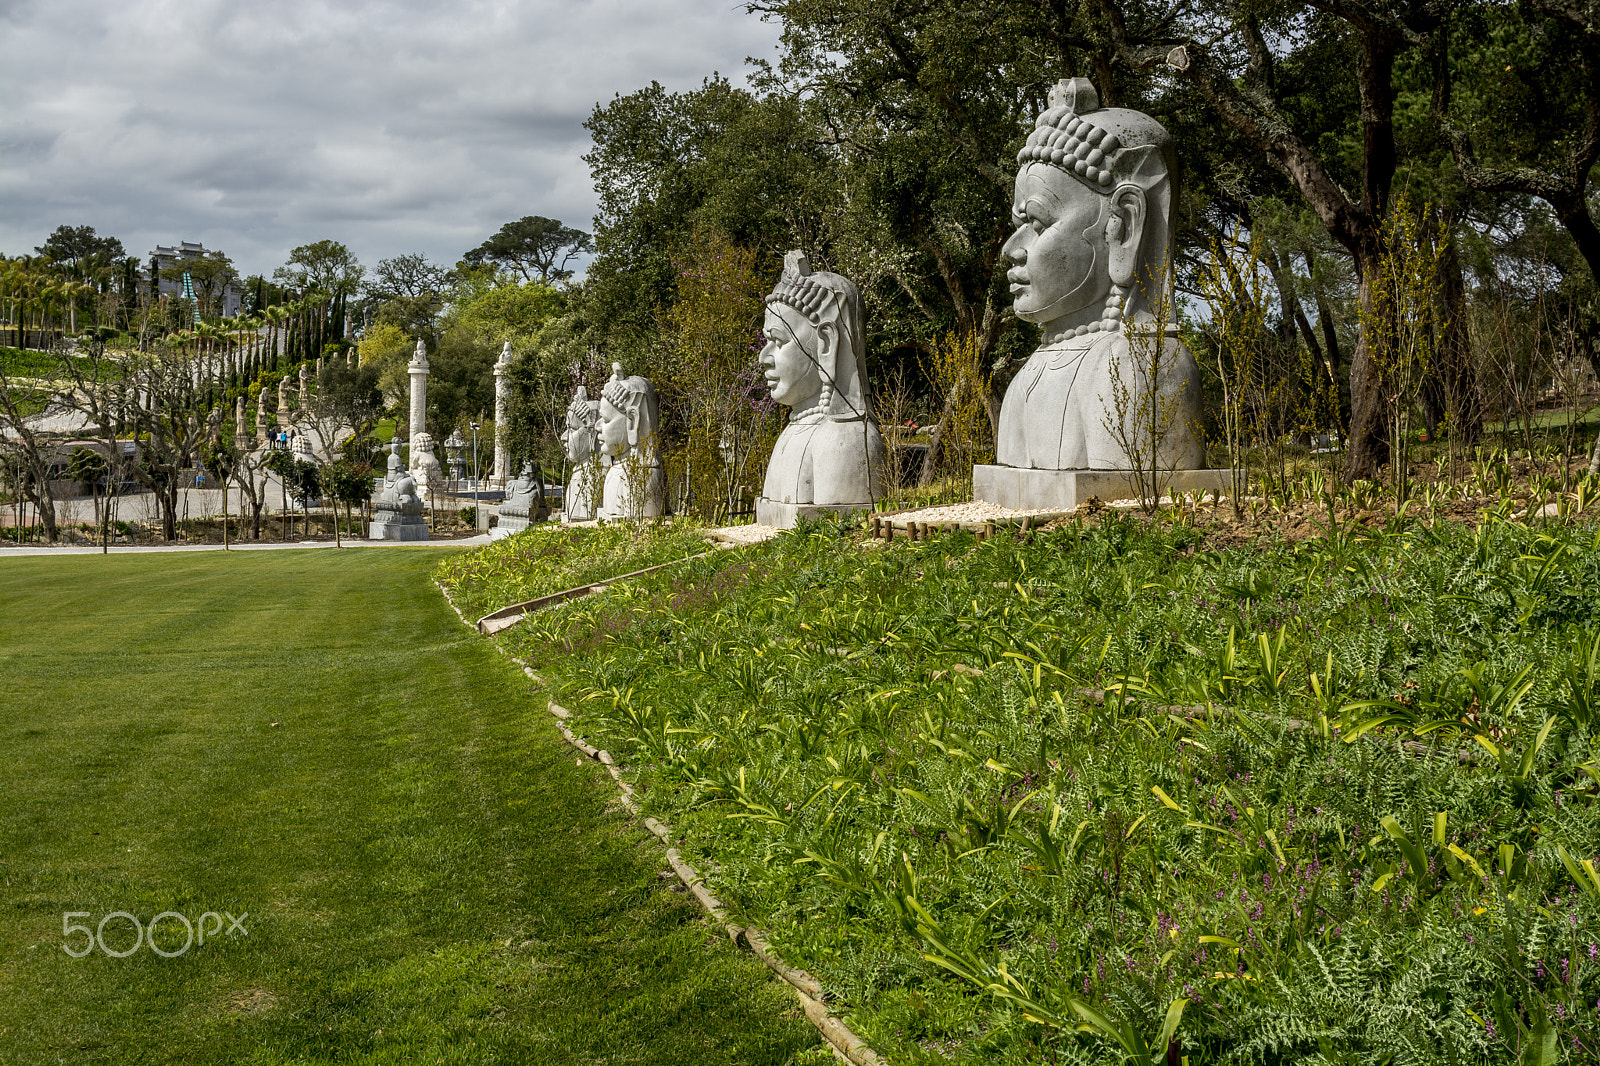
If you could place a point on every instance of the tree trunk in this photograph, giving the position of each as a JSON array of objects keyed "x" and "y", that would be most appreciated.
[
  {"x": 46, "y": 508},
  {"x": 1457, "y": 377},
  {"x": 169, "y": 520},
  {"x": 1368, "y": 440}
]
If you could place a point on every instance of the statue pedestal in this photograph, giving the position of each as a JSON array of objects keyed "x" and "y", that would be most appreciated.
[
  {"x": 788, "y": 515},
  {"x": 514, "y": 519},
  {"x": 392, "y": 525},
  {"x": 1022, "y": 489}
]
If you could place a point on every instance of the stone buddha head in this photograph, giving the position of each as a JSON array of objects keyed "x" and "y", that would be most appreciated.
[
  {"x": 579, "y": 437},
  {"x": 1093, "y": 215},
  {"x": 628, "y": 414},
  {"x": 814, "y": 332}
]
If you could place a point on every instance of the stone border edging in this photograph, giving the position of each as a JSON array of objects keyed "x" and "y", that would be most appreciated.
[
  {"x": 806, "y": 987},
  {"x": 505, "y": 617},
  {"x": 883, "y": 525},
  {"x": 841, "y": 1040}
]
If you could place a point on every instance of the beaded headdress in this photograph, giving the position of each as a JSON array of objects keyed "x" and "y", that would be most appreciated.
[
  {"x": 582, "y": 411},
  {"x": 1101, "y": 147},
  {"x": 633, "y": 393},
  {"x": 825, "y": 297}
]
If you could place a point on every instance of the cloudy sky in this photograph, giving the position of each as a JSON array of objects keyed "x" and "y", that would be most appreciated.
[{"x": 393, "y": 127}]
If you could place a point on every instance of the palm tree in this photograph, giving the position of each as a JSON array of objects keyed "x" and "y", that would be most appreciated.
[{"x": 275, "y": 316}]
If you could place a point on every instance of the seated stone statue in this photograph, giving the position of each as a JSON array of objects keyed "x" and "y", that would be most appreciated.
[
  {"x": 1088, "y": 263},
  {"x": 635, "y": 483},
  {"x": 398, "y": 509},
  {"x": 581, "y": 442},
  {"x": 830, "y": 455},
  {"x": 425, "y": 466},
  {"x": 524, "y": 503}
]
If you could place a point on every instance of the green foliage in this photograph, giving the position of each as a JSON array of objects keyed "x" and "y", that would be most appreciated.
[
  {"x": 542, "y": 560},
  {"x": 345, "y": 481},
  {"x": 324, "y": 266},
  {"x": 536, "y": 247},
  {"x": 1337, "y": 795}
]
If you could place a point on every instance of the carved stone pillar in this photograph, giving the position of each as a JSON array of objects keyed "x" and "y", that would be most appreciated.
[
  {"x": 502, "y": 453},
  {"x": 418, "y": 369}
]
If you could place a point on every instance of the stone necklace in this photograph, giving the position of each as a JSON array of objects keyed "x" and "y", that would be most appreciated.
[{"x": 1109, "y": 322}]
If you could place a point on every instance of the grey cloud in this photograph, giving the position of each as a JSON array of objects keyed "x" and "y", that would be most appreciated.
[{"x": 394, "y": 127}]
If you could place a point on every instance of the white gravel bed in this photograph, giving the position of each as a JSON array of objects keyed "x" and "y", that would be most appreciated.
[
  {"x": 971, "y": 511},
  {"x": 751, "y": 534}
]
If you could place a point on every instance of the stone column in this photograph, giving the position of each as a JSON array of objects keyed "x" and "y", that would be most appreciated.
[
  {"x": 418, "y": 370},
  {"x": 502, "y": 453}
]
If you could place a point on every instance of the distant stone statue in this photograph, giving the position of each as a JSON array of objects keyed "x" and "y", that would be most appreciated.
[
  {"x": 525, "y": 503},
  {"x": 830, "y": 455},
  {"x": 425, "y": 466},
  {"x": 283, "y": 400},
  {"x": 582, "y": 495},
  {"x": 304, "y": 397},
  {"x": 1088, "y": 263},
  {"x": 635, "y": 484},
  {"x": 398, "y": 509},
  {"x": 261, "y": 413},
  {"x": 240, "y": 432},
  {"x": 300, "y": 447},
  {"x": 214, "y": 423}
]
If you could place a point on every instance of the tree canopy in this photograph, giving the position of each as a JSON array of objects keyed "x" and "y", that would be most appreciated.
[
  {"x": 70, "y": 245},
  {"x": 326, "y": 266},
  {"x": 537, "y": 248}
]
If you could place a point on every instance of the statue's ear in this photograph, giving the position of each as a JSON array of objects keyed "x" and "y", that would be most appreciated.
[
  {"x": 827, "y": 348},
  {"x": 1125, "y": 226},
  {"x": 633, "y": 413}
]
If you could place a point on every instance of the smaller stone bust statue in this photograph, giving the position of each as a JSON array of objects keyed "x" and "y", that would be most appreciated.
[
  {"x": 300, "y": 447},
  {"x": 399, "y": 487},
  {"x": 398, "y": 508},
  {"x": 524, "y": 503},
  {"x": 425, "y": 466},
  {"x": 635, "y": 484},
  {"x": 580, "y": 439},
  {"x": 830, "y": 456}
]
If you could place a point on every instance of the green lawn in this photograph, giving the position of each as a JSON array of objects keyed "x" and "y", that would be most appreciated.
[{"x": 313, "y": 739}]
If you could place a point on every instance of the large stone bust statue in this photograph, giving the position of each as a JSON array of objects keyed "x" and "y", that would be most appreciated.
[
  {"x": 580, "y": 440},
  {"x": 635, "y": 482},
  {"x": 830, "y": 455},
  {"x": 1088, "y": 263}
]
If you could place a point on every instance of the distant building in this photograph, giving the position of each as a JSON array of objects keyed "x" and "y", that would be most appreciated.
[{"x": 232, "y": 296}]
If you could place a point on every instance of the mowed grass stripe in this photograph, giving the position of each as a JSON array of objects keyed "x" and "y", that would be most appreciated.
[{"x": 428, "y": 874}]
